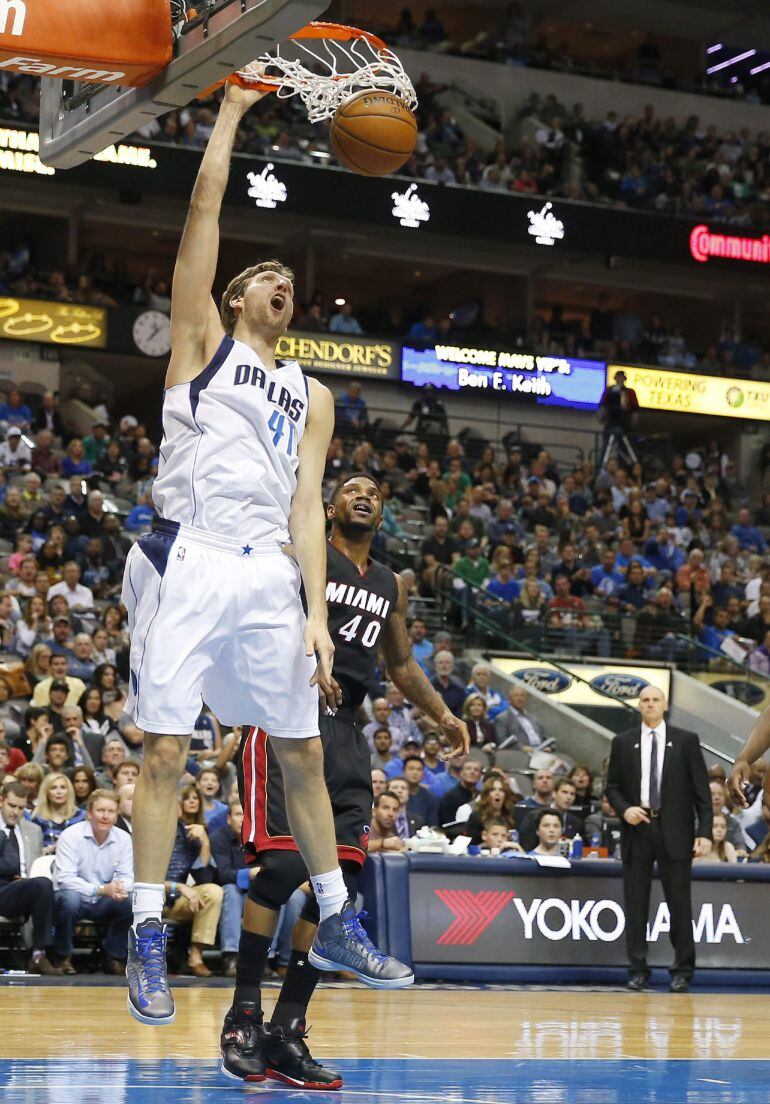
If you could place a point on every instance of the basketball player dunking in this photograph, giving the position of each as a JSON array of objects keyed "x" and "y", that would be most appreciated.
[
  {"x": 367, "y": 610},
  {"x": 213, "y": 601}
]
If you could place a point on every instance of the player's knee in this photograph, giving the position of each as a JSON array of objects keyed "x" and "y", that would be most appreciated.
[
  {"x": 164, "y": 759},
  {"x": 300, "y": 759}
]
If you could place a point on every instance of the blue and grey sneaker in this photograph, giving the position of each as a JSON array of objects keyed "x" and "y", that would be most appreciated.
[
  {"x": 342, "y": 944},
  {"x": 149, "y": 997}
]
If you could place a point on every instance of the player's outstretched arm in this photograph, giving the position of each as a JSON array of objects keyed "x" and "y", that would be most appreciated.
[
  {"x": 195, "y": 327},
  {"x": 409, "y": 677},
  {"x": 307, "y": 525},
  {"x": 754, "y": 748}
]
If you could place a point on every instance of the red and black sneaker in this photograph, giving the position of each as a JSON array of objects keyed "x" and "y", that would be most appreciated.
[
  {"x": 288, "y": 1059},
  {"x": 241, "y": 1043}
]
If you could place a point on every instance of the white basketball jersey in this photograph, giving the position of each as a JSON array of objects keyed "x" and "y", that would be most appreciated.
[{"x": 228, "y": 460}]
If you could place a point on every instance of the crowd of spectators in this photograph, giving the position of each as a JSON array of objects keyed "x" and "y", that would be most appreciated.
[
  {"x": 628, "y": 561},
  {"x": 518, "y": 40},
  {"x": 644, "y": 161}
]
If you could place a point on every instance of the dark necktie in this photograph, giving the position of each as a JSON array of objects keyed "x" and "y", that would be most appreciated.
[
  {"x": 654, "y": 784},
  {"x": 13, "y": 847}
]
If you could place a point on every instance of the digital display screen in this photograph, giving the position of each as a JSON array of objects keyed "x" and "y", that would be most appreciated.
[{"x": 544, "y": 380}]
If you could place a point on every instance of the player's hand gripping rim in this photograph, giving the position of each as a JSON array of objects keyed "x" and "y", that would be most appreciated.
[
  {"x": 456, "y": 732},
  {"x": 319, "y": 643}
]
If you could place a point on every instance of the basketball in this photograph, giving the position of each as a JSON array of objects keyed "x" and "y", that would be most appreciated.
[{"x": 373, "y": 133}]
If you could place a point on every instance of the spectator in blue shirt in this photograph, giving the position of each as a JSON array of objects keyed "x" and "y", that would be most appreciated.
[
  {"x": 711, "y": 636},
  {"x": 351, "y": 408},
  {"x": 749, "y": 537},
  {"x": 634, "y": 593},
  {"x": 14, "y": 411},
  {"x": 480, "y": 684},
  {"x": 605, "y": 578},
  {"x": 424, "y": 331},
  {"x": 503, "y": 585},
  {"x": 141, "y": 517},
  {"x": 662, "y": 553},
  {"x": 627, "y": 554},
  {"x": 344, "y": 321},
  {"x": 208, "y": 784},
  {"x": 227, "y": 853},
  {"x": 93, "y": 877},
  {"x": 422, "y": 649},
  {"x": 75, "y": 462}
]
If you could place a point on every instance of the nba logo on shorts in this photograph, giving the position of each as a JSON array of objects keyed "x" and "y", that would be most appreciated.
[{"x": 180, "y": 553}]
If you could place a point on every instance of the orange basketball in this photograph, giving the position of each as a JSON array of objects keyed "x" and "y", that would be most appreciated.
[{"x": 373, "y": 133}]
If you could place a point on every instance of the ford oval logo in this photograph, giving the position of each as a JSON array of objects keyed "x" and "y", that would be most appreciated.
[
  {"x": 544, "y": 680},
  {"x": 618, "y": 685},
  {"x": 747, "y": 692}
]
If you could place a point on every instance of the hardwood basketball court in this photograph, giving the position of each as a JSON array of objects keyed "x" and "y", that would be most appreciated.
[{"x": 77, "y": 1045}]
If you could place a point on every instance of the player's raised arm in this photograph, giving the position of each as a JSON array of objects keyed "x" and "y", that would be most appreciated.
[
  {"x": 411, "y": 680},
  {"x": 307, "y": 525},
  {"x": 195, "y": 327}
]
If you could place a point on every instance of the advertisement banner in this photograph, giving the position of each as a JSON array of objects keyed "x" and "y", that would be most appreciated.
[
  {"x": 524, "y": 377},
  {"x": 512, "y": 919},
  {"x": 53, "y": 323},
  {"x": 745, "y": 686},
  {"x": 687, "y": 393},
  {"x": 621, "y": 681},
  {"x": 340, "y": 355}
]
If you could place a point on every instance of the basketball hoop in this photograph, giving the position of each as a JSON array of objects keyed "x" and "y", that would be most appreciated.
[{"x": 324, "y": 64}]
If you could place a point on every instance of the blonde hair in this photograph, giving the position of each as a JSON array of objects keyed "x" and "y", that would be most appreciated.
[
  {"x": 42, "y": 806},
  {"x": 32, "y": 666},
  {"x": 236, "y": 287},
  {"x": 469, "y": 702}
]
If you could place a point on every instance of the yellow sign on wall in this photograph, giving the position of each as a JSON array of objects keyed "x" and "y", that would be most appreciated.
[
  {"x": 349, "y": 356},
  {"x": 53, "y": 323},
  {"x": 658, "y": 389}
]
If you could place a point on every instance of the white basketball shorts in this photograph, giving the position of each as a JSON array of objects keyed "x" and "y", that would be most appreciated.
[{"x": 218, "y": 622}]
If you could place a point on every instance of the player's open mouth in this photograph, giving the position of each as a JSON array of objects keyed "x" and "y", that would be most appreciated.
[
  {"x": 278, "y": 302},
  {"x": 362, "y": 508}
]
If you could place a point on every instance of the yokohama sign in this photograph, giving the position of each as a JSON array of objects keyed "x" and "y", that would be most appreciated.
[
  {"x": 704, "y": 243},
  {"x": 521, "y": 918}
]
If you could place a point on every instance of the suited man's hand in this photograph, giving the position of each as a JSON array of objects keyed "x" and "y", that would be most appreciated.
[
  {"x": 635, "y": 814},
  {"x": 702, "y": 847}
]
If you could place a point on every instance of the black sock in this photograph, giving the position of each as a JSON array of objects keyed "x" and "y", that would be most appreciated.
[
  {"x": 250, "y": 967},
  {"x": 297, "y": 989}
]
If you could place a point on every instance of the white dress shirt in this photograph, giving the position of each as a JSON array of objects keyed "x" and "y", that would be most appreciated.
[
  {"x": 646, "y": 747},
  {"x": 83, "y": 864},
  {"x": 19, "y": 840}
]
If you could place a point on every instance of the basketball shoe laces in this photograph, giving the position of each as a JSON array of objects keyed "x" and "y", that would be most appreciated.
[
  {"x": 152, "y": 954},
  {"x": 353, "y": 929}
]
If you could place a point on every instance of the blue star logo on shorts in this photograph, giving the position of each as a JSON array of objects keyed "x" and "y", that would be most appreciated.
[{"x": 247, "y": 549}]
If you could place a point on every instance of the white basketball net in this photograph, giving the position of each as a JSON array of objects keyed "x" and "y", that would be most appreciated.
[{"x": 340, "y": 69}]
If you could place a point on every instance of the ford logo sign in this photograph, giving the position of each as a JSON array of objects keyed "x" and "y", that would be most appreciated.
[
  {"x": 618, "y": 685},
  {"x": 544, "y": 680},
  {"x": 747, "y": 692}
]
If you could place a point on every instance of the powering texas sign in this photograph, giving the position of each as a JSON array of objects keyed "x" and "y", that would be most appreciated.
[{"x": 516, "y": 918}]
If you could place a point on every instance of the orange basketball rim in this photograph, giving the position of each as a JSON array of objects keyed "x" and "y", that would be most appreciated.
[{"x": 324, "y": 64}]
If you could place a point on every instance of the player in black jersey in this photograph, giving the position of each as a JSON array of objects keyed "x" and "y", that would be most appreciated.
[{"x": 367, "y": 606}]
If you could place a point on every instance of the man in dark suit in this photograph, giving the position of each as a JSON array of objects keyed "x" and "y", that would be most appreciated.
[
  {"x": 21, "y": 842},
  {"x": 657, "y": 783}
]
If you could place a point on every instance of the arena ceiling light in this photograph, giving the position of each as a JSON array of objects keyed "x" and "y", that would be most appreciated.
[
  {"x": 731, "y": 61},
  {"x": 713, "y": 49},
  {"x": 760, "y": 68}
]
